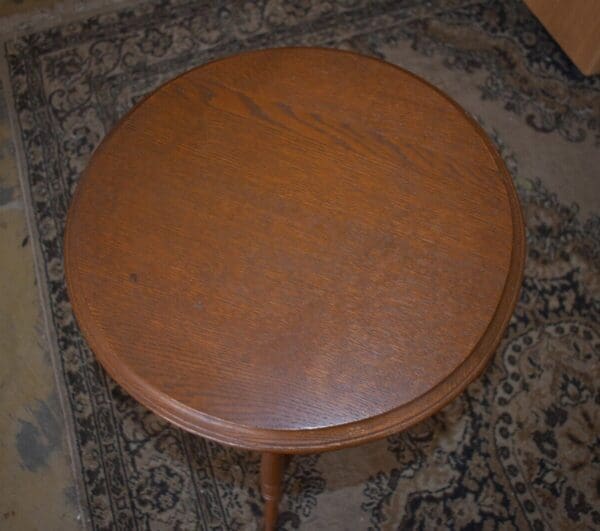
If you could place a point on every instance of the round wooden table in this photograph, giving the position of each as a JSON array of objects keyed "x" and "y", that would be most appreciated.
[{"x": 294, "y": 250}]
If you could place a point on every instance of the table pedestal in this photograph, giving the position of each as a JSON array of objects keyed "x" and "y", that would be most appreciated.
[{"x": 272, "y": 467}]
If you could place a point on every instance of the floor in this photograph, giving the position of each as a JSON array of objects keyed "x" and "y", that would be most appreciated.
[{"x": 36, "y": 483}]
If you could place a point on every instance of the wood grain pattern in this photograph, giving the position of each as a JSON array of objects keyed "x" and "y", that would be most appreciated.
[{"x": 295, "y": 250}]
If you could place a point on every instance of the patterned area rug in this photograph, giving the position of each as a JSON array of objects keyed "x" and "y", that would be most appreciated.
[{"x": 520, "y": 449}]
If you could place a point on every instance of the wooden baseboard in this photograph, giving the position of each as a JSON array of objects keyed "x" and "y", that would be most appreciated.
[{"x": 575, "y": 24}]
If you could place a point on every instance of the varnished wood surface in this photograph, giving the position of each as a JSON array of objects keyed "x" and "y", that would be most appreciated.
[
  {"x": 272, "y": 468},
  {"x": 575, "y": 24},
  {"x": 295, "y": 250}
]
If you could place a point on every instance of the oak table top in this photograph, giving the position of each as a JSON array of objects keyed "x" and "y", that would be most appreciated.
[{"x": 295, "y": 250}]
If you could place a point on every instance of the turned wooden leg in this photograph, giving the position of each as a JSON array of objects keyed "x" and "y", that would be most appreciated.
[{"x": 272, "y": 467}]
